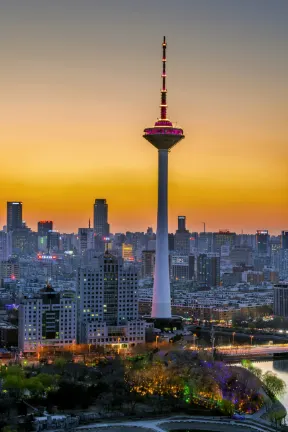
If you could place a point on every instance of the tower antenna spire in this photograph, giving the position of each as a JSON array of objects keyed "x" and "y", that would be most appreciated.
[{"x": 163, "y": 106}]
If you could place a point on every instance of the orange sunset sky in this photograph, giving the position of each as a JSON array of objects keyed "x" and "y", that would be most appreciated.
[{"x": 80, "y": 80}]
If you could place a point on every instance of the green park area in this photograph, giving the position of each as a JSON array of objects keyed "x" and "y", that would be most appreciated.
[{"x": 144, "y": 385}]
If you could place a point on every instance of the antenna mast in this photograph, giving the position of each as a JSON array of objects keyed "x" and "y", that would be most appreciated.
[{"x": 163, "y": 106}]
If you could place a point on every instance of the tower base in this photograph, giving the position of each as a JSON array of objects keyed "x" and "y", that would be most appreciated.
[{"x": 167, "y": 324}]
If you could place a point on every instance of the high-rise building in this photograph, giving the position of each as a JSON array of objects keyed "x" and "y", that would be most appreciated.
[
  {"x": 53, "y": 241},
  {"x": 127, "y": 252},
  {"x": 101, "y": 226},
  {"x": 281, "y": 300},
  {"x": 181, "y": 224},
  {"x": 171, "y": 242},
  {"x": 86, "y": 239},
  {"x": 241, "y": 255},
  {"x": 14, "y": 215},
  {"x": 205, "y": 242},
  {"x": 223, "y": 238},
  {"x": 5, "y": 245},
  {"x": 47, "y": 320},
  {"x": 284, "y": 240},
  {"x": 182, "y": 237},
  {"x": 163, "y": 135},
  {"x": 148, "y": 264},
  {"x": 182, "y": 267},
  {"x": 108, "y": 303},
  {"x": 44, "y": 227},
  {"x": 10, "y": 269},
  {"x": 208, "y": 269},
  {"x": 262, "y": 242}
]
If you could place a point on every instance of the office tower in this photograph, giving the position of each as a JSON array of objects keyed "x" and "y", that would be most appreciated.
[
  {"x": 241, "y": 255},
  {"x": 171, "y": 242},
  {"x": 193, "y": 242},
  {"x": 223, "y": 238},
  {"x": 284, "y": 240},
  {"x": 10, "y": 269},
  {"x": 127, "y": 252},
  {"x": 182, "y": 224},
  {"x": 5, "y": 247},
  {"x": 14, "y": 215},
  {"x": 85, "y": 239},
  {"x": 281, "y": 300},
  {"x": 208, "y": 269},
  {"x": 24, "y": 241},
  {"x": 163, "y": 136},
  {"x": 246, "y": 240},
  {"x": 262, "y": 242},
  {"x": 182, "y": 267},
  {"x": 43, "y": 227},
  {"x": 108, "y": 303},
  {"x": 48, "y": 319},
  {"x": 205, "y": 242},
  {"x": 53, "y": 241},
  {"x": 148, "y": 264},
  {"x": 101, "y": 226},
  {"x": 182, "y": 237}
]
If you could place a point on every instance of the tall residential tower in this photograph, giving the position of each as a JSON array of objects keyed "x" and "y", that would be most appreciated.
[{"x": 163, "y": 135}]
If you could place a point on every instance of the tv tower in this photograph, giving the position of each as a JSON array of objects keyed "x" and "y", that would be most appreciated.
[{"x": 163, "y": 135}]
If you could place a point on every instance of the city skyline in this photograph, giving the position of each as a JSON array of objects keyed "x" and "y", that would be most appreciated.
[{"x": 74, "y": 122}]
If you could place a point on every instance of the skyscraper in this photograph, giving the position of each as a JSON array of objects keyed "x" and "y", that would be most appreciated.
[
  {"x": 43, "y": 227},
  {"x": 108, "y": 303},
  {"x": 182, "y": 237},
  {"x": 101, "y": 226},
  {"x": 281, "y": 299},
  {"x": 163, "y": 135},
  {"x": 14, "y": 215},
  {"x": 284, "y": 240},
  {"x": 262, "y": 242},
  {"x": 208, "y": 269}
]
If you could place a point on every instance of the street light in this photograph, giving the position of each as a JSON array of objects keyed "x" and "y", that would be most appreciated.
[
  {"x": 89, "y": 346},
  {"x": 251, "y": 338},
  {"x": 233, "y": 335},
  {"x": 156, "y": 343},
  {"x": 194, "y": 340},
  {"x": 119, "y": 345}
]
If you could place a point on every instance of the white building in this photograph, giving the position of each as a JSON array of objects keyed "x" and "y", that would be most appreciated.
[
  {"x": 47, "y": 319},
  {"x": 108, "y": 303}
]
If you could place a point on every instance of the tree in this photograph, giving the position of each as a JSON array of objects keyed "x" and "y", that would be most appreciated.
[
  {"x": 34, "y": 385},
  {"x": 227, "y": 407},
  {"x": 274, "y": 384}
]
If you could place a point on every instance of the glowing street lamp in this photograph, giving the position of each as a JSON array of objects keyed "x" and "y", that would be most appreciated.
[
  {"x": 156, "y": 343},
  {"x": 233, "y": 335},
  {"x": 251, "y": 338}
]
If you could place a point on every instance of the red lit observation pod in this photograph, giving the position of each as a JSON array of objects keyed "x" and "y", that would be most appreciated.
[{"x": 163, "y": 135}]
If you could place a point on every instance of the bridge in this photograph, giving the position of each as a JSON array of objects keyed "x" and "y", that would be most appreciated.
[{"x": 251, "y": 352}]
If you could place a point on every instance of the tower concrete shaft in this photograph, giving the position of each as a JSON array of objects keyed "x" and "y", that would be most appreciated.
[
  {"x": 163, "y": 135},
  {"x": 161, "y": 305}
]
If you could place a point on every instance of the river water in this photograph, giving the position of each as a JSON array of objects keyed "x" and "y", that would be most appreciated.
[{"x": 280, "y": 367}]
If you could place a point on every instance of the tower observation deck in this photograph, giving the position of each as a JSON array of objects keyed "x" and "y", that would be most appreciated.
[{"x": 163, "y": 135}]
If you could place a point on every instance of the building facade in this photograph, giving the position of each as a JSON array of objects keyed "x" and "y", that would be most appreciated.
[
  {"x": 47, "y": 320},
  {"x": 208, "y": 269},
  {"x": 101, "y": 225},
  {"x": 14, "y": 215},
  {"x": 281, "y": 300},
  {"x": 108, "y": 303}
]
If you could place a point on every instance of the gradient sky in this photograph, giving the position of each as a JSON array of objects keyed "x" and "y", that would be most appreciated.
[{"x": 80, "y": 81}]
